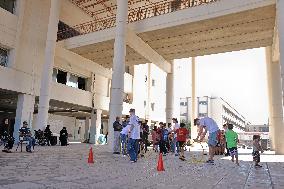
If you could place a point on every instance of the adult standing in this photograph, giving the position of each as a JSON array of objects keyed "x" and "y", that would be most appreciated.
[
  {"x": 145, "y": 134},
  {"x": 176, "y": 127},
  {"x": 48, "y": 134},
  {"x": 6, "y": 136},
  {"x": 207, "y": 124},
  {"x": 134, "y": 136},
  {"x": 117, "y": 127}
]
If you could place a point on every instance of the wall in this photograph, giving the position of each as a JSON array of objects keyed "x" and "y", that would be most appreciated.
[{"x": 8, "y": 29}]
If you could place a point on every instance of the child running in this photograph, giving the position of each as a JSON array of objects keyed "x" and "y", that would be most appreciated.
[
  {"x": 256, "y": 148},
  {"x": 232, "y": 140},
  {"x": 182, "y": 134}
]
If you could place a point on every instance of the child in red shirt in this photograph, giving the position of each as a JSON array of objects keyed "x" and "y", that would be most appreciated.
[{"x": 182, "y": 134}]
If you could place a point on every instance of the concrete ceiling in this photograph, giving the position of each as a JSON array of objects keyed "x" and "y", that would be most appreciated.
[{"x": 239, "y": 31}]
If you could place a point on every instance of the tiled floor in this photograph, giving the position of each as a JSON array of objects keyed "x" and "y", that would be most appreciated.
[{"x": 67, "y": 168}]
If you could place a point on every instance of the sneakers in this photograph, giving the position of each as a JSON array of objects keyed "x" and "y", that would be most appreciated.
[
  {"x": 182, "y": 158},
  {"x": 257, "y": 166}
]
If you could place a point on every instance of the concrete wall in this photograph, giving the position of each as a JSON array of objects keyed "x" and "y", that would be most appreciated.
[{"x": 8, "y": 29}]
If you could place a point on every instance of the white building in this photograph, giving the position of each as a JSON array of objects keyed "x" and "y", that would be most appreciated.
[{"x": 216, "y": 108}]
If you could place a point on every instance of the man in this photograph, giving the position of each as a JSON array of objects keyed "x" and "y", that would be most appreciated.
[
  {"x": 117, "y": 127},
  {"x": 134, "y": 136},
  {"x": 176, "y": 127},
  {"x": 207, "y": 124},
  {"x": 25, "y": 132}
]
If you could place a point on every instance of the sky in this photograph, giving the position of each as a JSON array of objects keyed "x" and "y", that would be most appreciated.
[{"x": 238, "y": 77}]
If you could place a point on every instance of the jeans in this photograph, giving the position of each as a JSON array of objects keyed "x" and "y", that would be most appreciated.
[
  {"x": 175, "y": 142},
  {"x": 31, "y": 141},
  {"x": 133, "y": 149},
  {"x": 123, "y": 138}
]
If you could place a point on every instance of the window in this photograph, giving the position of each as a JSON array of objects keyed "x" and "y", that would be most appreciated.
[
  {"x": 3, "y": 57},
  {"x": 8, "y": 5},
  {"x": 72, "y": 81},
  {"x": 153, "y": 82},
  {"x": 54, "y": 75},
  {"x": 153, "y": 106},
  {"x": 62, "y": 77},
  {"x": 145, "y": 103},
  {"x": 81, "y": 83},
  {"x": 127, "y": 69}
]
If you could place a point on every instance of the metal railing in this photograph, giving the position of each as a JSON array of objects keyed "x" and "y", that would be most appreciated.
[{"x": 134, "y": 15}]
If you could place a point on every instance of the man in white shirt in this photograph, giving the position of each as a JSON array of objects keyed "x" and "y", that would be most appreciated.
[
  {"x": 134, "y": 136},
  {"x": 207, "y": 124}
]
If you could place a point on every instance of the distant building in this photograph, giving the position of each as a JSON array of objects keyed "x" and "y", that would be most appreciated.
[
  {"x": 215, "y": 107},
  {"x": 257, "y": 128}
]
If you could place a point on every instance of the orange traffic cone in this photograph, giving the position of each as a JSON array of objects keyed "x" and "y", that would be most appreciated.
[
  {"x": 91, "y": 157},
  {"x": 160, "y": 166}
]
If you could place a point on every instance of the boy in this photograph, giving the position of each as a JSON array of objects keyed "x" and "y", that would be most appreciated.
[
  {"x": 232, "y": 140},
  {"x": 182, "y": 134},
  {"x": 256, "y": 148}
]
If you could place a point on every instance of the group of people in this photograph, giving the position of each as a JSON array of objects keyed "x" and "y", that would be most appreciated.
[
  {"x": 131, "y": 137},
  {"x": 25, "y": 134},
  {"x": 207, "y": 124}
]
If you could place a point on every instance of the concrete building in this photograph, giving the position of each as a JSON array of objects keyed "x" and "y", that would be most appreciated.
[
  {"x": 89, "y": 45},
  {"x": 216, "y": 108},
  {"x": 257, "y": 128}
]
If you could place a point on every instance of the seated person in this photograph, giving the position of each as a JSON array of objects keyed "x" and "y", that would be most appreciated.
[
  {"x": 6, "y": 137},
  {"x": 63, "y": 136},
  {"x": 25, "y": 132}
]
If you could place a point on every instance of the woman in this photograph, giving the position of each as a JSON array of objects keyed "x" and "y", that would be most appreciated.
[{"x": 63, "y": 136}]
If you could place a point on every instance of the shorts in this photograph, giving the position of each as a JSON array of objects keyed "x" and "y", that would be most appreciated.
[
  {"x": 233, "y": 151},
  {"x": 256, "y": 156},
  {"x": 181, "y": 144},
  {"x": 212, "y": 139}
]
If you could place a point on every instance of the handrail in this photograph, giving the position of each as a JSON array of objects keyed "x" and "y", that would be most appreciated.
[{"x": 134, "y": 15}]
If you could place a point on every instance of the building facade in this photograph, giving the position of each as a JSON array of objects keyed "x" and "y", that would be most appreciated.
[{"x": 216, "y": 108}]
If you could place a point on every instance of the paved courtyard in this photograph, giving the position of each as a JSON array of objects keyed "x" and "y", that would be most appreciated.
[{"x": 67, "y": 168}]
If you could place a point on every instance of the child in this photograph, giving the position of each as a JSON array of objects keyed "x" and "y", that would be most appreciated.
[
  {"x": 256, "y": 148},
  {"x": 232, "y": 140},
  {"x": 182, "y": 134}
]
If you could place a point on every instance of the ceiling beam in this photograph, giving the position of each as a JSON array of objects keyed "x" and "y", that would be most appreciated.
[{"x": 136, "y": 43}]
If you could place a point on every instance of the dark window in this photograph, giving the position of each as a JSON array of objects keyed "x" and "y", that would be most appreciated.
[
  {"x": 3, "y": 56},
  {"x": 81, "y": 83},
  {"x": 153, "y": 106},
  {"x": 153, "y": 82},
  {"x": 61, "y": 77},
  {"x": 8, "y": 5}
]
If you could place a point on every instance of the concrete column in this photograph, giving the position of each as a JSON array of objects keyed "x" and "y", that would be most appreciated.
[
  {"x": 96, "y": 120},
  {"x": 275, "y": 103},
  {"x": 279, "y": 127},
  {"x": 24, "y": 112},
  {"x": 87, "y": 127},
  {"x": 117, "y": 83},
  {"x": 48, "y": 64},
  {"x": 193, "y": 100},
  {"x": 170, "y": 95},
  {"x": 149, "y": 86}
]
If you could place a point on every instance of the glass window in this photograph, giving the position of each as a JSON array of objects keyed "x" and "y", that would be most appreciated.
[
  {"x": 72, "y": 81},
  {"x": 54, "y": 75},
  {"x": 153, "y": 82},
  {"x": 81, "y": 83},
  {"x": 61, "y": 77},
  {"x": 8, "y": 5},
  {"x": 153, "y": 106},
  {"x": 3, "y": 56}
]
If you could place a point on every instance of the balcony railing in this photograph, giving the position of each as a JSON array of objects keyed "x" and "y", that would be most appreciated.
[{"x": 134, "y": 15}]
